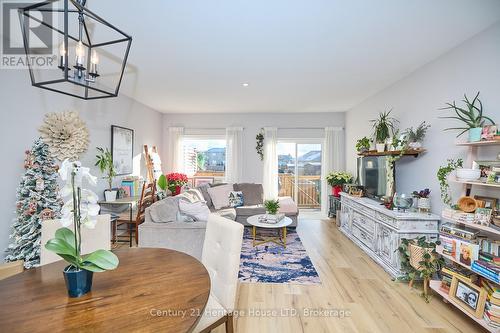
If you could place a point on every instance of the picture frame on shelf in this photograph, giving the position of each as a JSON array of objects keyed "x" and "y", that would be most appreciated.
[
  {"x": 483, "y": 216},
  {"x": 198, "y": 181},
  {"x": 489, "y": 202},
  {"x": 489, "y": 132},
  {"x": 470, "y": 297}
]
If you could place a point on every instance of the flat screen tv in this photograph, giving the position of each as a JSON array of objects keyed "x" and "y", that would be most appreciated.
[{"x": 372, "y": 175}]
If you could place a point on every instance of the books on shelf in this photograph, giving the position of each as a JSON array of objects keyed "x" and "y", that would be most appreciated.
[
  {"x": 458, "y": 215},
  {"x": 462, "y": 251},
  {"x": 492, "y": 307},
  {"x": 490, "y": 271},
  {"x": 131, "y": 186},
  {"x": 451, "y": 229}
]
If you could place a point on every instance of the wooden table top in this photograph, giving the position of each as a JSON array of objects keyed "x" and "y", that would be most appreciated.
[{"x": 151, "y": 290}]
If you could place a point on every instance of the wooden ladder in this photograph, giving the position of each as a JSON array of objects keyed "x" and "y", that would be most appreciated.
[{"x": 153, "y": 163}]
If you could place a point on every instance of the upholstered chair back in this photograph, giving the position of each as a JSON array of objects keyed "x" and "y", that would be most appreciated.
[{"x": 221, "y": 257}]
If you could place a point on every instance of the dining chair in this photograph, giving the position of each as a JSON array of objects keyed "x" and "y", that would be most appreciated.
[
  {"x": 221, "y": 257},
  {"x": 147, "y": 198},
  {"x": 11, "y": 268},
  {"x": 92, "y": 239}
]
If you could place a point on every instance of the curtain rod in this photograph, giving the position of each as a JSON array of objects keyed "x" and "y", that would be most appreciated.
[{"x": 224, "y": 128}]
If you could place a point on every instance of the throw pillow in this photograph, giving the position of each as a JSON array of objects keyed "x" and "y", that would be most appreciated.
[
  {"x": 235, "y": 199},
  {"x": 253, "y": 193},
  {"x": 220, "y": 195},
  {"x": 204, "y": 191}
]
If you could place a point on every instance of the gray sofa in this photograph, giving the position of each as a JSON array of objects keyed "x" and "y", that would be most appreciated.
[{"x": 188, "y": 236}]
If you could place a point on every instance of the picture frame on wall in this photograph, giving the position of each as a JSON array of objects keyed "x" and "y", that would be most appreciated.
[
  {"x": 470, "y": 297},
  {"x": 122, "y": 149}
]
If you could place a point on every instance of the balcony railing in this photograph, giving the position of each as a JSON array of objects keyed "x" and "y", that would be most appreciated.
[{"x": 308, "y": 189}]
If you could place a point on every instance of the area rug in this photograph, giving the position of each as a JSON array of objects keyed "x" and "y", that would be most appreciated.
[{"x": 271, "y": 263}]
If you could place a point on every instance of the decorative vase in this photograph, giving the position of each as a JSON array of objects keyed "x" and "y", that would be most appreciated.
[
  {"x": 175, "y": 190},
  {"x": 336, "y": 190},
  {"x": 424, "y": 205},
  {"x": 78, "y": 282},
  {"x": 380, "y": 147},
  {"x": 475, "y": 134},
  {"x": 110, "y": 196}
]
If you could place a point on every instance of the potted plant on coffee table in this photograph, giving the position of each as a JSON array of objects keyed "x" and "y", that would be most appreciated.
[
  {"x": 80, "y": 210},
  {"x": 471, "y": 116},
  {"x": 383, "y": 127},
  {"x": 105, "y": 164},
  {"x": 336, "y": 179}
]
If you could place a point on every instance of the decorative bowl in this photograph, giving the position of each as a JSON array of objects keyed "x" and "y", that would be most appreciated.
[
  {"x": 402, "y": 201},
  {"x": 468, "y": 174}
]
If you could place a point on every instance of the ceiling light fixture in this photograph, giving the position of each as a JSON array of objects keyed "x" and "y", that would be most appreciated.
[
  {"x": 83, "y": 40},
  {"x": 245, "y": 84}
]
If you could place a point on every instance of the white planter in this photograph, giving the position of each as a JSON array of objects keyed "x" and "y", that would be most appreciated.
[
  {"x": 424, "y": 204},
  {"x": 415, "y": 145},
  {"x": 110, "y": 196},
  {"x": 380, "y": 147}
]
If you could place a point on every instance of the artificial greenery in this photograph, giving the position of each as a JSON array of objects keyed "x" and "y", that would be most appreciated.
[
  {"x": 272, "y": 206},
  {"x": 363, "y": 144},
  {"x": 471, "y": 116},
  {"x": 383, "y": 126},
  {"x": 418, "y": 134},
  {"x": 336, "y": 178},
  {"x": 105, "y": 164},
  {"x": 260, "y": 144},
  {"x": 442, "y": 175},
  {"x": 430, "y": 264}
]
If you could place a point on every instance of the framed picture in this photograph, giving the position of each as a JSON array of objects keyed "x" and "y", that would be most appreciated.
[
  {"x": 490, "y": 203},
  {"x": 202, "y": 180},
  {"x": 469, "y": 296},
  {"x": 489, "y": 132},
  {"x": 122, "y": 149},
  {"x": 483, "y": 216}
]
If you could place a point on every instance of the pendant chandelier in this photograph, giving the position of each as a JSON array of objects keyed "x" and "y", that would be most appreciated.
[{"x": 91, "y": 53}]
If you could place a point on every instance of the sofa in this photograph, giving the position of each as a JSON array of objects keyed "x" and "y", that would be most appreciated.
[{"x": 188, "y": 237}]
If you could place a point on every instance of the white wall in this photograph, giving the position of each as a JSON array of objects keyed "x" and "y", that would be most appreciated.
[
  {"x": 22, "y": 111},
  {"x": 473, "y": 66},
  {"x": 252, "y": 122}
]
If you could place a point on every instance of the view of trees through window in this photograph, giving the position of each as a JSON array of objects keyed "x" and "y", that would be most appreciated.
[{"x": 204, "y": 156}]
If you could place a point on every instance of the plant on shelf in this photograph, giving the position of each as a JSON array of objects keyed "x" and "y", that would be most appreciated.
[
  {"x": 336, "y": 179},
  {"x": 80, "y": 209},
  {"x": 175, "y": 182},
  {"x": 419, "y": 261},
  {"x": 363, "y": 145},
  {"x": 383, "y": 127},
  {"x": 442, "y": 175},
  {"x": 416, "y": 136},
  {"x": 260, "y": 144},
  {"x": 105, "y": 164},
  {"x": 272, "y": 206},
  {"x": 471, "y": 116},
  {"x": 423, "y": 200}
]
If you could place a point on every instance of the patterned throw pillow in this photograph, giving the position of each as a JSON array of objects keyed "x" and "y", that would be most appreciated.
[{"x": 235, "y": 199}]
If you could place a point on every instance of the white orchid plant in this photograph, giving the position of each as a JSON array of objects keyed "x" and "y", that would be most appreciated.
[{"x": 80, "y": 209}]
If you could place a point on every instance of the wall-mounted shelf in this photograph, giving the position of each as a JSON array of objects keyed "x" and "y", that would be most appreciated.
[
  {"x": 409, "y": 152},
  {"x": 480, "y": 143},
  {"x": 474, "y": 226},
  {"x": 473, "y": 182}
]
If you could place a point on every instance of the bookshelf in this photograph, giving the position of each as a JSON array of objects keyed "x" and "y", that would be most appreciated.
[
  {"x": 473, "y": 182},
  {"x": 484, "y": 228},
  {"x": 479, "y": 143}
]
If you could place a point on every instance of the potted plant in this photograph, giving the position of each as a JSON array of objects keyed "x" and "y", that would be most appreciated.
[
  {"x": 471, "y": 116},
  {"x": 383, "y": 126},
  {"x": 80, "y": 209},
  {"x": 175, "y": 182},
  {"x": 423, "y": 200},
  {"x": 442, "y": 175},
  {"x": 415, "y": 137},
  {"x": 105, "y": 164},
  {"x": 162, "y": 185},
  {"x": 363, "y": 145},
  {"x": 272, "y": 206},
  {"x": 336, "y": 179}
]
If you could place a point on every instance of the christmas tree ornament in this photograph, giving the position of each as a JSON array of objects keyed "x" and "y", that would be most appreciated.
[{"x": 40, "y": 185}]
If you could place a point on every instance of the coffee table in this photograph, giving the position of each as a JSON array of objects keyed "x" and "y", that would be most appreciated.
[{"x": 280, "y": 226}]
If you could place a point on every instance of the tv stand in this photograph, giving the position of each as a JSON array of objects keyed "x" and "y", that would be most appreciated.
[{"x": 378, "y": 231}]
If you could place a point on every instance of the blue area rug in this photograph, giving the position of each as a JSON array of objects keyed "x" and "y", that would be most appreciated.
[{"x": 271, "y": 263}]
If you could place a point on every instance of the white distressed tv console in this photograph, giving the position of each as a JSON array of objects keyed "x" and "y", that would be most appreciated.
[{"x": 378, "y": 231}]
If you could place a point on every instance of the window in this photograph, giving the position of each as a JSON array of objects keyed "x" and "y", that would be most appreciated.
[{"x": 204, "y": 156}]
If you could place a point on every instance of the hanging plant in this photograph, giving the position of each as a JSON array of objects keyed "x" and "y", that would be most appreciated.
[
  {"x": 260, "y": 144},
  {"x": 442, "y": 176}
]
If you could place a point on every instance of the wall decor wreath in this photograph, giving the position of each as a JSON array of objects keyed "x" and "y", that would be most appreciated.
[{"x": 66, "y": 134}]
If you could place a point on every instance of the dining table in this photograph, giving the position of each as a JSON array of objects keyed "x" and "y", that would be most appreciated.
[{"x": 151, "y": 290}]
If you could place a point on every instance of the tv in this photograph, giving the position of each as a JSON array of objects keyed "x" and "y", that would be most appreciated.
[{"x": 372, "y": 175}]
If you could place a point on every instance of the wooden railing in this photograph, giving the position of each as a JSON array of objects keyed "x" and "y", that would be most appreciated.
[{"x": 308, "y": 188}]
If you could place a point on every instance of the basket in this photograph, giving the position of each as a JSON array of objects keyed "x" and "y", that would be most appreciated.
[
  {"x": 417, "y": 255},
  {"x": 467, "y": 204}
]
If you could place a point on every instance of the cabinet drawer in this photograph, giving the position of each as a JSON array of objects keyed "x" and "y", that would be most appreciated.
[
  {"x": 363, "y": 222},
  {"x": 363, "y": 236}
]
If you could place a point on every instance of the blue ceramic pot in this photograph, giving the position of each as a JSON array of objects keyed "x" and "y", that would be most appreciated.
[
  {"x": 79, "y": 282},
  {"x": 475, "y": 134}
]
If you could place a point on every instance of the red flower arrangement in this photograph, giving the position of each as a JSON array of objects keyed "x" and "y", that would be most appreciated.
[{"x": 175, "y": 182}]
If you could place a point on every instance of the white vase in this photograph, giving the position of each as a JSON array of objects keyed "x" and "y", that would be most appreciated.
[
  {"x": 380, "y": 147},
  {"x": 415, "y": 145},
  {"x": 110, "y": 196},
  {"x": 424, "y": 205}
]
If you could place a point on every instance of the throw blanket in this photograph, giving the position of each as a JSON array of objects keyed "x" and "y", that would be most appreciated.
[
  {"x": 165, "y": 210},
  {"x": 190, "y": 204}
]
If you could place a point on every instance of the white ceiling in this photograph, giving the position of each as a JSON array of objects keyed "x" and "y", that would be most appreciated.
[{"x": 298, "y": 56}]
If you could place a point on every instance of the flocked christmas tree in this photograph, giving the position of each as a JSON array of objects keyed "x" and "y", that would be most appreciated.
[{"x": 37, "y": 199}]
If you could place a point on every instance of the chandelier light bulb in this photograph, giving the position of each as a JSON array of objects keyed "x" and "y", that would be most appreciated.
[
  {"x": 80, "y": 53},
  {"x": 62, "y": 50},
  {"x": 94, "y": 58}
]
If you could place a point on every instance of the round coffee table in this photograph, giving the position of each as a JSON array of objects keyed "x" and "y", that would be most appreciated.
[{"x": 281, "y": 225}]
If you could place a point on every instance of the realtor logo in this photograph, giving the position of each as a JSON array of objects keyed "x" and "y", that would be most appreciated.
[{"x": 40, "y": 38}]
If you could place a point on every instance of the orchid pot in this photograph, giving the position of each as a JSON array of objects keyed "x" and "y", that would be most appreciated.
[
  {"x": 110, "y": 195},
  {"x": 78, "y": 281},
  {"x": 380, "y": 147}
]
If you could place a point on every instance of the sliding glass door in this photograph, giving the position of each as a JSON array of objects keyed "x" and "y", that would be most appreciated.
[{"x": 299, "y": 171}]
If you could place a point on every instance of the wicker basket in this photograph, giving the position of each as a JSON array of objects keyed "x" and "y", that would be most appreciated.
[
  {"x": 417, "y": 255},
  {"x": 467, "y": 204}
]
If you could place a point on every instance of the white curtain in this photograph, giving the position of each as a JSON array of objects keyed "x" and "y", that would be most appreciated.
[
  {"x": 333, "y": 160},
  {"x": 175, "y": 154},
  {"x": 270, "y": 174},
  {"x": 234, "y": 154}
]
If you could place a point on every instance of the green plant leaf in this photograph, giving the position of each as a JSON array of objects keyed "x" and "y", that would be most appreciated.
[
  {"x": 67, "y": 235},
  {"x": 70, "y": 259},
  {"x": 60, "y": 246},
  {"x": 162, "y": 182},
  {"x": 92, "y": 267},
  {"x": 102, "y": 258}
]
